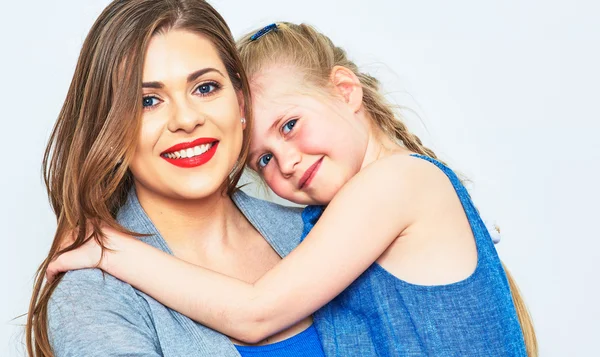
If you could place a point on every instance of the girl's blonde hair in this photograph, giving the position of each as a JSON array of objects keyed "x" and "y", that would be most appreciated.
[{"x": 314, "y": 55}]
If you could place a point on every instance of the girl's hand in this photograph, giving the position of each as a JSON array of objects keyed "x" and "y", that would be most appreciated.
[{"x": 88, "y": 255}]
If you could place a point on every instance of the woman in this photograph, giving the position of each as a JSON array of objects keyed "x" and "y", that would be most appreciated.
[
  {"x": 155, "y": 81},
  {"x": 311, "y": 101}
]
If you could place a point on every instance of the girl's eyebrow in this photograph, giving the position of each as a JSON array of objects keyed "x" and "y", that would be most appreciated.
[
  {"x": 252, "y": 155},
  {"x": 273, "y": 126}
]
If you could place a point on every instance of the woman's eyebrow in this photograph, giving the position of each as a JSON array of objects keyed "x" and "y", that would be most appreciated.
[
  {"x": 193, "y": 76},
  {"x": 190, "y": 78}
]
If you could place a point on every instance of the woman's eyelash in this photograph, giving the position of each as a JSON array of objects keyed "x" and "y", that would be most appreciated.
[
  {"x": 204, "y": 89},
  {"x": 148, "y": 102}
]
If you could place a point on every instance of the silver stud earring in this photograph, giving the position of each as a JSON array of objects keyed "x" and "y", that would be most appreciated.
[{"x": 243, "y": 120}]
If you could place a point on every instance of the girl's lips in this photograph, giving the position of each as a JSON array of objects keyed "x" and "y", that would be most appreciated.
[
  {"x": 309, "y": 174},
  {"x": 193, "y": 161}
]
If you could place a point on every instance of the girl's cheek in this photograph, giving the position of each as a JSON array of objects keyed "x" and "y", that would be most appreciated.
[
  {"x": 270, "y": 180},
  {"x": 317, "y": 138},
  {"x": 308, "y": 140},
  {"x": 279, "y": 186}
]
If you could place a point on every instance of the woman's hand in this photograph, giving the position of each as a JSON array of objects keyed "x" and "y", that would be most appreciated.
[{"x": 88, "y": 255}]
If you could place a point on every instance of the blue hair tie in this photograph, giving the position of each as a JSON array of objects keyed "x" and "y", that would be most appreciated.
[{"x": 265, "y": 30}]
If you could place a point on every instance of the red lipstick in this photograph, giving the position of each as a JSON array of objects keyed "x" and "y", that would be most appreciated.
[{"x": 172, "y": 155}]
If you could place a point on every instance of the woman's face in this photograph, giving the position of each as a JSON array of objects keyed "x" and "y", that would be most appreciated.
[{"x": 191, "y": 133}]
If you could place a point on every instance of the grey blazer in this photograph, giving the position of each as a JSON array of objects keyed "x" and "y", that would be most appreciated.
[{"x": 94, "y": 315}]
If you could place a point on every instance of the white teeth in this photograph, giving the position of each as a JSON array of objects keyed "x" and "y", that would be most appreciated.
[{"x": 191, "y": 152}]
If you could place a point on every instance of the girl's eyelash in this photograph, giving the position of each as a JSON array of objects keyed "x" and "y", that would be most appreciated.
[
  {"x": 258, "y": 166},
  {"x": 291, "y": 122}
]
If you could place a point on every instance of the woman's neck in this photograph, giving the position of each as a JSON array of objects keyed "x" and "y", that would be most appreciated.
[{"x": 191, "y": 224}]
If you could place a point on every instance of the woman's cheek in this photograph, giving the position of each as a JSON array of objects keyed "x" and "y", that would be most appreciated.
[{"x": 151, "y": 131}]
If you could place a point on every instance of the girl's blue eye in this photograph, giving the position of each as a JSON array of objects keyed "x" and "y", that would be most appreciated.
[
  {"x": 206, "y": 88},
  {"x": 264, "y": 160},
  {"x": 287, "y": 127},
  {"x": 149, "y": 101}
]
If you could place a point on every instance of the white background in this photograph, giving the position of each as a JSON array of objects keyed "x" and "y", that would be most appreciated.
[{"x": 506, "y": 91}]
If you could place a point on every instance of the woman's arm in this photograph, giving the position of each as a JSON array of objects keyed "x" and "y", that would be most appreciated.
[{"x": 359, "y": 224}]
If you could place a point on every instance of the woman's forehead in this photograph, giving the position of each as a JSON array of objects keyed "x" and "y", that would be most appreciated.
[{"x": 176, "y": 53}]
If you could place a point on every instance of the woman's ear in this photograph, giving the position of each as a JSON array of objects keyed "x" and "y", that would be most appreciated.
[
  {"x": 242, "y": 105},
  {"x": 240, "y": 97},
  {"x": 347, "y": 84}
]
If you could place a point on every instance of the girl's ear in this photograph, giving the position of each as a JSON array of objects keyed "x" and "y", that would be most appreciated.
[{"x": 348, "y": 86}]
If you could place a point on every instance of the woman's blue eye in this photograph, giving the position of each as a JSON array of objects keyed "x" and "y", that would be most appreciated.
[
  {"x": 206, "y": 88},
  {"x": 287, "y": 127},
  {"x": 264, "y": 160},
  {"x": 149, "y": 101}
]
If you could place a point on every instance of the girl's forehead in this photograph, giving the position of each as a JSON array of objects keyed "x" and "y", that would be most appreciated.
[{"x": 276, "y": 80}]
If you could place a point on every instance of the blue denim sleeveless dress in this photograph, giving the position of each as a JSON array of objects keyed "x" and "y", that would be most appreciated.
[{"x": 381, "y": 315}]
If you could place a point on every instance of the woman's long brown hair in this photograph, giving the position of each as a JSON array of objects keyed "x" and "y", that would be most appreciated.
[{"x": 95, "y": 135}]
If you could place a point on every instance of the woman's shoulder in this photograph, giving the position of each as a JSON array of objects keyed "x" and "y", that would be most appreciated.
[
  {"x": 90, "y": 312},
  {"x": 93, "y": 293},
  {"x": 84, "y": 284},
  {"x": 253, "y": 204},
  {"x": 280, "y": 225}
]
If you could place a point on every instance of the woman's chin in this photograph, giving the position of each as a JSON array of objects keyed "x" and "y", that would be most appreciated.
[
  {"x": 197, "y": 191},
  {"x": 189, "y": 190}
]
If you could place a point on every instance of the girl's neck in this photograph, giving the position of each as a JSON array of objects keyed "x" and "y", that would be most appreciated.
[
  {"x": 380, "y": 145},
  {"x": 191, "y": 223}
]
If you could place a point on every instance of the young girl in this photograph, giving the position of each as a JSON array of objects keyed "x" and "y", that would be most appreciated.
[{"x": 399, "y": 263}]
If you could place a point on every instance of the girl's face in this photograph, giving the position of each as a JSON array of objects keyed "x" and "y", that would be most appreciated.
[
  {"x": 191, "y": 133},
  {"x": 306, "y": 144}
]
